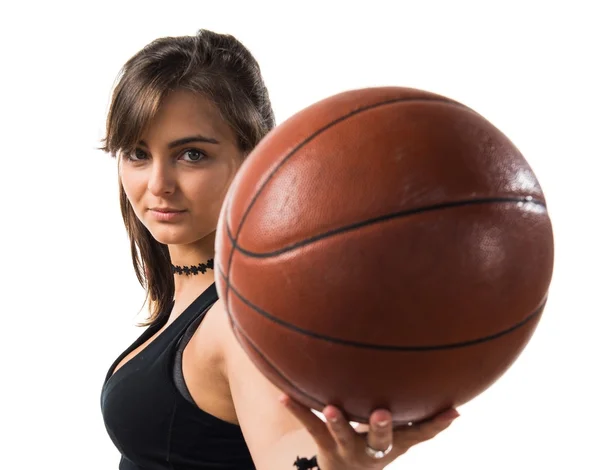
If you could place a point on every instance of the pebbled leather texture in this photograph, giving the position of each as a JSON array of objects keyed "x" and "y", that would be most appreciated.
[{"x": 385, "y": 247}]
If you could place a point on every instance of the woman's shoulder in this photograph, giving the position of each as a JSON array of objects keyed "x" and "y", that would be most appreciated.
[
  {"x": 214, "y": 338},
  {"x": 221, "y": 327},
  {"x": 223, "y": 332}
]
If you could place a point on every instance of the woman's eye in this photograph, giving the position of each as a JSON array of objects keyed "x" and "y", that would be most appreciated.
[
  {"x": 135, "y": 155},
  {"x": 139, "y": 154},
  {"x": 194, "y": 155}
]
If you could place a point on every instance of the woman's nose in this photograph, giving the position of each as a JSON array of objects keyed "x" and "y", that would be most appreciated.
[{"x": 162, "y": 178}]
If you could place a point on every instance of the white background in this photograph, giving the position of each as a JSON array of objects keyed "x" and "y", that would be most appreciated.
[{"x": 69, "y": 294}]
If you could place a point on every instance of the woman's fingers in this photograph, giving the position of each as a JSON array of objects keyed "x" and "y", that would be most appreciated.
[
  {"x": 313, "y": 424},
  {"x": 342, "y": 431},
  {"x": 381, "y": 434}
]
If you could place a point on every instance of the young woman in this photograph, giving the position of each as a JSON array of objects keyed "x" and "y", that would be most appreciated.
[{"x": 184, "y": 115}]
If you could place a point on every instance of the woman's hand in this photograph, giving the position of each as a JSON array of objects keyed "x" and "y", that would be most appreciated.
[{"x": 342, "y": 447}]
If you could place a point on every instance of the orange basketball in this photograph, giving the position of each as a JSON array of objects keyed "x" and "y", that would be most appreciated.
[{"x": 384, "y": 247}]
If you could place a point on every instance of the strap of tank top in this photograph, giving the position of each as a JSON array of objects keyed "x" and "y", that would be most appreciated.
[{"x": 178, "y": 361}]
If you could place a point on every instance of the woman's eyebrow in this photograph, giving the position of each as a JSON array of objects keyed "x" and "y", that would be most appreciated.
[{"x": 187, "y": 140}]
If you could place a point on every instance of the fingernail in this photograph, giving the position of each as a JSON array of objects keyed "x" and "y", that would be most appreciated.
[{"x": 383, "y": 424}]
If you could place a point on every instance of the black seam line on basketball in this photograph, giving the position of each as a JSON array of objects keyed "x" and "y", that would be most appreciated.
[
  {"x": 436, "y": 99},
  {"x": 226, "y": 215},
  {"x": 374, "y": 221},
  {"x": 272, "y": 367},
  {"x": 327, "y": 127},
  {"x": 384, "y": 347},
  {"x": 240, "y": 331},
  {"x": 276, "y": 371}
]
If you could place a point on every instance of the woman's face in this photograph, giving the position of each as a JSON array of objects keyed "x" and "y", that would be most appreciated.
[{"x": 178, "y": 176}]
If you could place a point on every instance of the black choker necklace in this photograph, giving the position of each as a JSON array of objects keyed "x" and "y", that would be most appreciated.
[{"x": 199, "y": 268}]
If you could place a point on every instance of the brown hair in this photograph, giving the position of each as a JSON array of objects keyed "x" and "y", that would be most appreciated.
[{"x": 215, "y": 65}]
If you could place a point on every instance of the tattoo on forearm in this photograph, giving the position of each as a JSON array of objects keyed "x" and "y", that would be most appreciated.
[{"x": 303, "y": 463}]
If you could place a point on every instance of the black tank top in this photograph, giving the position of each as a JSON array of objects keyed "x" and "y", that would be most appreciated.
[{"x": 150, "y": 415}]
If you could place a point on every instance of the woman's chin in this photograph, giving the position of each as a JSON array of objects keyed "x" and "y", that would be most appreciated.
[{"x": 173, "y": 236}]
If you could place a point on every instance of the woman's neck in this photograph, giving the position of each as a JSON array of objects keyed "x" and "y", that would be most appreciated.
[{"x": 194, "y": 267}]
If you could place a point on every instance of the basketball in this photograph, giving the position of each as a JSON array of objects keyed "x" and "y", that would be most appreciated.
[{"x": 384, "y": 247}]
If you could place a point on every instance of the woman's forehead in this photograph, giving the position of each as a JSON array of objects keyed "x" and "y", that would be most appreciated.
[{"x": 182, "y": 114}]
